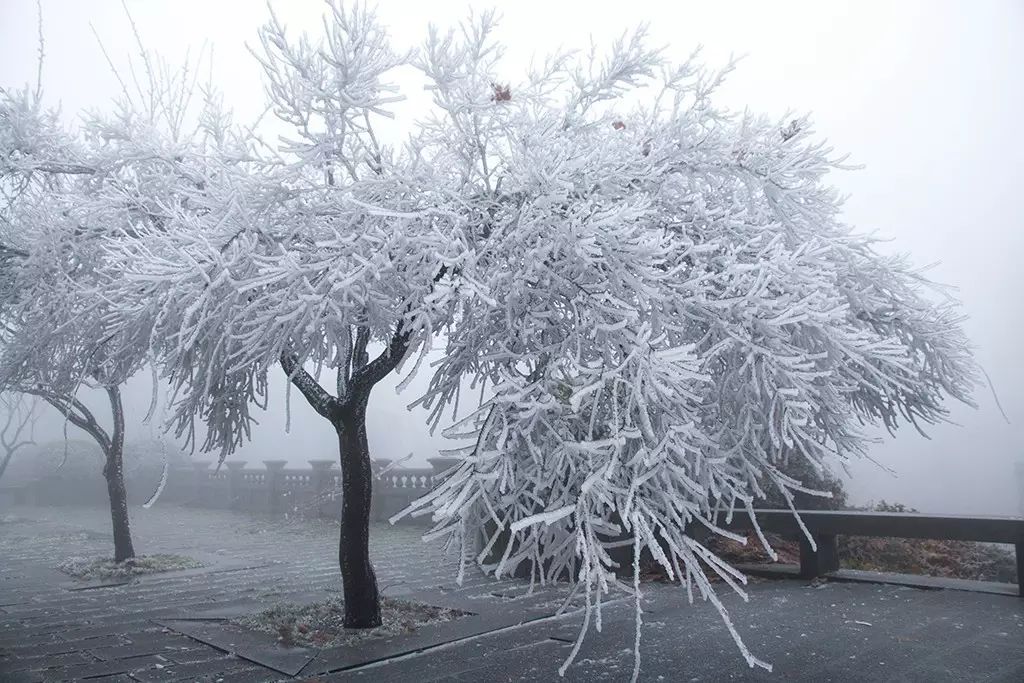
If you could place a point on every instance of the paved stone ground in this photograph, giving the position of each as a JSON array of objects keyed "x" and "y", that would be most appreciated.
[
  {"x": 827, "y": 632},
  {"x": 86, "y": 632}
]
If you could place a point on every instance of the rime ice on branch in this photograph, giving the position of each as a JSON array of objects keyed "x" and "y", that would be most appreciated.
[
  {"x": 666, "y": 307},
  {"x": 655, "y": 298}
]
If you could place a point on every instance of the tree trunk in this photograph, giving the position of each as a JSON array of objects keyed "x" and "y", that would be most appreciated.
[
  {"x": 113, "y": 472},
  {"x": 5, "y": 462},
  {"x": 347, "y": 413},
  {"x": 113, "y": 451},
  {"x": 362, "y": 599}
]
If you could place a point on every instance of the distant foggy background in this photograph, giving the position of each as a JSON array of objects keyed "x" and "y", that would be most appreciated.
[{"x": 929, "y": 96}]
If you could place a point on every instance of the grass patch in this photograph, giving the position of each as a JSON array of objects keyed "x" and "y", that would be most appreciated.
[
  {"x": 321, "y": 624},
  {"x": 104, "y": 568}
]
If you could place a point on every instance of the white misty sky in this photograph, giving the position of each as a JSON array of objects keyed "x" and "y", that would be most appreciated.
[{"x": 929, "y": 96}]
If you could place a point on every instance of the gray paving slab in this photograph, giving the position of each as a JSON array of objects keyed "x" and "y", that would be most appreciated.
[
  {"x": 95, "y": 584},
  {"x": 259, "y": 648},
  {"x": 224, "y": 668},
  {"x": 51, "y": 662},
  {"x": 78, "y": 671},
  {"x": 165, "y": 645}
]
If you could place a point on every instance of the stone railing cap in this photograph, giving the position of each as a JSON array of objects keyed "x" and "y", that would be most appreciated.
[
  {"x": 443, "y": 463},
  {"x": 321, "y": 464}
]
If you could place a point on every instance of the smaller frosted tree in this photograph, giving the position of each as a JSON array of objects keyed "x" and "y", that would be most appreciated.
[
  {"x": 65, "y": 192},
  {"x": 51, "y": 345},
  {"x": 321, "y": 253}
]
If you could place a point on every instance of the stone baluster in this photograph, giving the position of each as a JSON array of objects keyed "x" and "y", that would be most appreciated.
[
  {"x": 322, "y": 478},
  {"x": 200, "y": 480},
  {"x": 275, "y": 485},
  {"x": 236, "y": 480}
]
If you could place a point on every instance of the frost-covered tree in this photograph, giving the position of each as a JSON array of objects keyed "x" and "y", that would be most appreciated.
[
  {"x": 671, "y": 310},
  {"x": 327, "y": 252},
  {"x": 19, "y": 415},
  {"x": 52, "y": 342},
  {"x": 656, "y": 299},
  {"x": 675, "y": 311},
  {"x": 66, "y": 194}
]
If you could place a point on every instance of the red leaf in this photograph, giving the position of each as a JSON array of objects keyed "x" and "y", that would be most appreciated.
[{"x": 502, "y": 93}]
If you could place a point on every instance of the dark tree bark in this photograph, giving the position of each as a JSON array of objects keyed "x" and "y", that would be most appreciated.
[
  {"x": 362, "y": 598},
  {"x": 112, "y": 446},
  {"x": 347, "y": 414},
  {"x": 113, "y": 471}
]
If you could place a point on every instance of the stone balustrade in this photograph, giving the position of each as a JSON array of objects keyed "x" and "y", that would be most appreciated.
[{"x": 269, "y": 487}]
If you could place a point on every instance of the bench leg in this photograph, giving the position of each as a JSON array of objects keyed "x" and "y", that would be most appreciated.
[
  {"x": 1020, "y": 568},
  {"x": 823, "y": 561}
]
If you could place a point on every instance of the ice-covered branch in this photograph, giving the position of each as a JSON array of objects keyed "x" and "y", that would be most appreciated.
[{"x": 317, "y": 397}]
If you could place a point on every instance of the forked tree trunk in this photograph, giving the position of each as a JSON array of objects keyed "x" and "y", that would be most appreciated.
[
  {"x": 362, "y": 598},
  {"x": 112, "y": 446},
  {"x": 347, "y": 413}
]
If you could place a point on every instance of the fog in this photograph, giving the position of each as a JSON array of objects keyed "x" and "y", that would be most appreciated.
[{"x": 927, "y": 96}]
